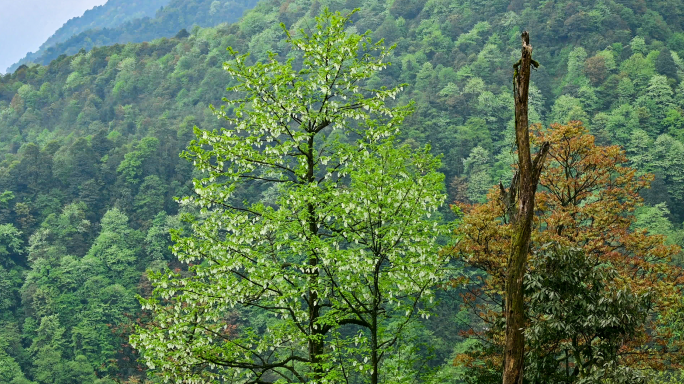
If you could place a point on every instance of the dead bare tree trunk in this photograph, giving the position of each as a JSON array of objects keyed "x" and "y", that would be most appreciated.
[{"x": 520, "y": 198}]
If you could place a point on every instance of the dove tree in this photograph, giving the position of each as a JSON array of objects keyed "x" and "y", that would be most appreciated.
[{"x": 317, "y": 278}]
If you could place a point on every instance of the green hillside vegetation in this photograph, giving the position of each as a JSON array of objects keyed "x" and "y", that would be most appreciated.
[
  {"x": 102, "y": 28},
  {"x": 90, "y": 144}
]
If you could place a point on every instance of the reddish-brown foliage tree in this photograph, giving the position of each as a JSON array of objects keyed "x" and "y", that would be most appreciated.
[
  {"x": 586, "y": 199},
  {"x": 596, "y": 69}
]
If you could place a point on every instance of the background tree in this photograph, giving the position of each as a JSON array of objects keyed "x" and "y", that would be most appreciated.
[
  {"x": 580, "y": 316},
  {"x": 12, "y": 265},
  {"x": 478, "y": 169}
]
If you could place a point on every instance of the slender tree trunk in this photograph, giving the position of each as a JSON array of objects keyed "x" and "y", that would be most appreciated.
[
  {"x": 316, "y": 342},
  {"x": 521, "y": 200},
  {"x": 316, "y": 333},
  {"x": 375, "y": 313},
  {"x": 375, "y": 360}
]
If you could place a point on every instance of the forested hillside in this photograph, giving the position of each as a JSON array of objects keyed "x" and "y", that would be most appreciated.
[
  {"x": 90, "y": 143},
  {"x": 123, "y": 21}
]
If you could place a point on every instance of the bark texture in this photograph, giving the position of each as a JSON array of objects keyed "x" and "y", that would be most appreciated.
[{"x": 520, "y": 200}]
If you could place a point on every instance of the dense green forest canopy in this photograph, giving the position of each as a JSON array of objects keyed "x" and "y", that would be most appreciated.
[{"x": 89, "y": 143}]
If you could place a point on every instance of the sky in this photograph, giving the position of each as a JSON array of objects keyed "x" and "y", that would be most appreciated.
[{"x": 26, "y": 24}]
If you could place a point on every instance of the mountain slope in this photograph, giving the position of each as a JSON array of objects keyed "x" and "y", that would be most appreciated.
[
  {"x": 112, "y": 14},
  {"x": 109, "y": 15},
  {"x": 117, "y": 25},
  {"x": 89, "y": 144}
]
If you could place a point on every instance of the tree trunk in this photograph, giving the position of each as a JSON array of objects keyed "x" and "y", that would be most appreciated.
[
  {"x": 316, "y": 333},
  {"x": 375, "y": 360},
  {"x": 521, "y": 200}
]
